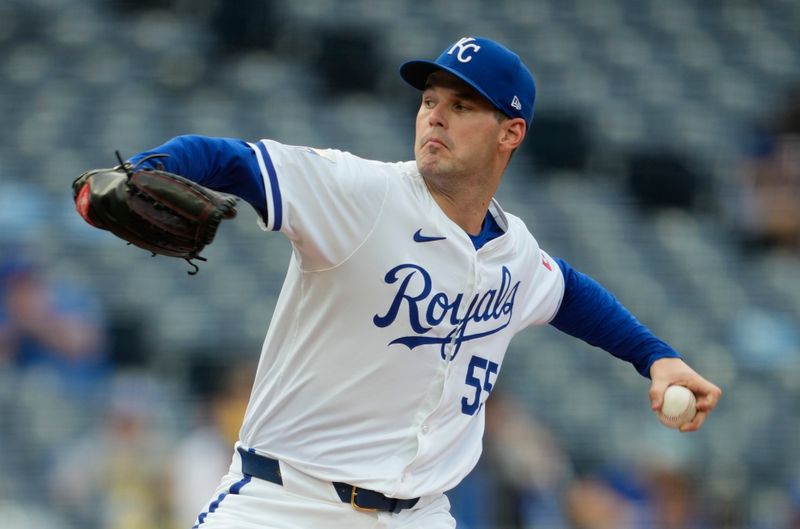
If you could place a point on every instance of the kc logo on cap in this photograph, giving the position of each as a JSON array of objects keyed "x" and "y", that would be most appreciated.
[
  {"x": 490, "y": 68},
  {"x": 464, "y": 45}
]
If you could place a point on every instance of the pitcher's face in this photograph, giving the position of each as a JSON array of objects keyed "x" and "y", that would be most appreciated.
[{"x": 457, "y": 130}]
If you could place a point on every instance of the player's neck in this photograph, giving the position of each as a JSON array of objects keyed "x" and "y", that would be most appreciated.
[{"x": 464, "y": 205}]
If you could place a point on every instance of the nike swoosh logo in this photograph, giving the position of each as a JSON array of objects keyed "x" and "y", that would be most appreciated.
[{"x": 418, "y": 237}]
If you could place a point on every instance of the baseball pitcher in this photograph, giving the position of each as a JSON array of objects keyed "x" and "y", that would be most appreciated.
[{"x": 407, "y": 282}]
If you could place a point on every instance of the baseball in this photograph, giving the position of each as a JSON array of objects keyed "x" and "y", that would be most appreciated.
[{"x": 678, "y": 407}]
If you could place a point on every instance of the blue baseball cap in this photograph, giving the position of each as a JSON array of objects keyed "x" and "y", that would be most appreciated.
[{"x": 496, "y": 72}]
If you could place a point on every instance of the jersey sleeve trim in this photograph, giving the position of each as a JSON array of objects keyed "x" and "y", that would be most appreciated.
[{"x": 271, "y": 186}]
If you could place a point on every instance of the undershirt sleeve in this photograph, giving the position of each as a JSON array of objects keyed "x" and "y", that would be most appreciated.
[
  {"x": 589, "y": 312},
  {"x": 223, "y": 164}
]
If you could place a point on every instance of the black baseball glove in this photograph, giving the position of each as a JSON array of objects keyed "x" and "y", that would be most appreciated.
[{"x": 156, "y": 210}]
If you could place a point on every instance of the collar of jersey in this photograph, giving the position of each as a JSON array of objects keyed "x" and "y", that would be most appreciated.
[{"x": 490, "y": 230}]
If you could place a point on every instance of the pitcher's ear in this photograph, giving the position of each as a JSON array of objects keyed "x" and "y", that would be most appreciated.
[{"x": 513, "y": 133}]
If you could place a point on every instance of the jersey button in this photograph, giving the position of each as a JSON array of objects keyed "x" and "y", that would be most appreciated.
[{"x": 425, "y": 429}]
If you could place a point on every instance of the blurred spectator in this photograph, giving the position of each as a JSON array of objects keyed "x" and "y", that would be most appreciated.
[
  {"x": 521, "y": 477},
  {"x": 770, "y": 215},
  {"x": 222, "y": 392},
  {"x": 673, "y": 499},
  {"x": 113, "y": 477},
  {"x": 655, "y": 496},
  {"x": 50, "y": 327},
  {"x": 593, "y": 503}
]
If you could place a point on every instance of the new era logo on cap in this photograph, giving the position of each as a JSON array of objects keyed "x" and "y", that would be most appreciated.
[{"x": 493, "y": 70}]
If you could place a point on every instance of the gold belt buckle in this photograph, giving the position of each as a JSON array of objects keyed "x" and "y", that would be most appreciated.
[{"x": 358, "y": 508}]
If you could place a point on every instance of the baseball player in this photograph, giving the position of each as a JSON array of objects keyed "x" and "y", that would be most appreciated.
[{"x": 407, "y": 282}]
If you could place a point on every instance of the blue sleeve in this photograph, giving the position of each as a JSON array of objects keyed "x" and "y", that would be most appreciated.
[
  {"x": 222, "y": 164},
  {"x": 589, "y": 312}
]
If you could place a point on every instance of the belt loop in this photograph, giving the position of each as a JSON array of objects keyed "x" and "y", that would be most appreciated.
[{"x": 259, "y": 466}]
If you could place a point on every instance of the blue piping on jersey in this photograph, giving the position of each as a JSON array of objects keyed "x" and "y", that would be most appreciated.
[
  {"x": 273, "y": 183},
  {"x": 235, "y": 488}
]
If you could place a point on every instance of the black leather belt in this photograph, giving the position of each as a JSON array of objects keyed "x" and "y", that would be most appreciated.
[{"x": 362, "y": 500}]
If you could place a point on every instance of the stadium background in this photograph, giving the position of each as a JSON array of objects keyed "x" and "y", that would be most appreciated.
[{"x": 649, "y": 116}]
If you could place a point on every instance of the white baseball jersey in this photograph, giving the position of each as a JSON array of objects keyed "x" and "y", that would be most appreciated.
[{"x": 390, "y": 329}]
